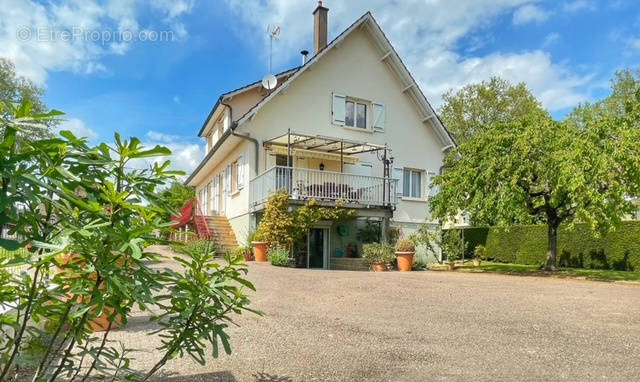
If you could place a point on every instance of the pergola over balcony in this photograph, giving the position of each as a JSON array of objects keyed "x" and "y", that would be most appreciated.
[
  {"x": 334, "y": 148},
  {"x": 328, "y": 186}
]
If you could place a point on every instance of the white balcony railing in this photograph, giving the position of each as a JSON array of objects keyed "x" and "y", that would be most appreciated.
[{"x": 304, "y": 184}]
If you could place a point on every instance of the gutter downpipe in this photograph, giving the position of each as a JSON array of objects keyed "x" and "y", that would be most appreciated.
[{"x": 233, "y": 126}]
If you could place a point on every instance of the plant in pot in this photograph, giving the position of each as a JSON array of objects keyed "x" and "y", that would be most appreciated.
[
  {"x": 378, "y": 255},
  {"x": 245, "y": 252},
  {"x": 405, "y": 249},
  {"x": 260, "y": 247},
  {"x": 480, "y": 252}
]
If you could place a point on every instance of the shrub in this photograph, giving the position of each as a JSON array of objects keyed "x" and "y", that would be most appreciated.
[
  {"x": 199, "y": 245},
  {"x": 579, "y": 247},
  {"x": 405, "y": 245},
  {"x": 419, "y": 262},
  {"x": 279, "y": 256},
  {"x": 282, "y": 227},
  {"x": 378, "y": 253},
  {"x": 480, "y": 252},
  {"x": 452, "y": 245}
]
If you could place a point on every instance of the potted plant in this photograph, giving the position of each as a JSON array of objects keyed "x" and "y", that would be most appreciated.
[
  {"x": 377, "y": 255},
  {"x": 244, "y": 251},
  {"x": 260, "y": 247},
  {"x": 480, "y": 252},
  {"x": 405, "y": 249}
]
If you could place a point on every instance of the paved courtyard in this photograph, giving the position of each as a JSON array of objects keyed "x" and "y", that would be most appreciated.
[{"x": 361, "y": 326}]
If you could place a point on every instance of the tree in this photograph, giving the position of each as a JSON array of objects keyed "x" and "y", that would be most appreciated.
[
  {"x": 538, "y": 170},
  {"x": 475, "y": 107},
  {"x": 18, "y": 89},
  {"x": 176, "y": 195},
  {"x": 624, "y": 86}
]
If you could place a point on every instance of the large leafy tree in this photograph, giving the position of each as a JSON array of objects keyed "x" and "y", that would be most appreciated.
[
  {"x": 537, "y": 170},
  {"x": 18, "y": 89},
  {"x": 475, "y": 107}
]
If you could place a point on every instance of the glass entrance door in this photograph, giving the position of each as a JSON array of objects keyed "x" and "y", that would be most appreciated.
[{"x": 318, "y": 244}]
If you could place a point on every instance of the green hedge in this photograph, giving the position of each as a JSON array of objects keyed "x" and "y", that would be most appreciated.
[{"x": 577, "y": 248}]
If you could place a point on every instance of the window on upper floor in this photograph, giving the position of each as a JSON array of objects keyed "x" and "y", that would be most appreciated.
[{"x": 358, "y": 113}]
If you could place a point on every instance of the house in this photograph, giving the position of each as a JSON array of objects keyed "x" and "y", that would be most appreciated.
[{"x": 349, "y": 124}]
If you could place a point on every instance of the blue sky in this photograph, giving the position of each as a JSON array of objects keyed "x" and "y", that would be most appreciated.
[{"x": 161, "y": 91}]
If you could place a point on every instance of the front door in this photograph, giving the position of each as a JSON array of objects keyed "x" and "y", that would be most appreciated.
[{"x": 318, "y": 248}]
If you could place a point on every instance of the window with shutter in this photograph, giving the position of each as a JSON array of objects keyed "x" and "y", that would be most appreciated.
[
  {"x": 338, "y": 109},
  {"x": 379, "y": 117}
]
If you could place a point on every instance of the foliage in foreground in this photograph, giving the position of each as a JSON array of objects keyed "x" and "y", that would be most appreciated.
[{"x": 89, "y": 215}]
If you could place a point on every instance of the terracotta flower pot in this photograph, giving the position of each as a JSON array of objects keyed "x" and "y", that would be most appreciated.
[
  {"x": 100, "y": 323},
  {"x": 451, "y": 266},
  {"x": 260, "y": 250},
  {"x": 405, "y": 261},
  {"x": 379, "y": 267},
  {"x": 248, "y": 256}
]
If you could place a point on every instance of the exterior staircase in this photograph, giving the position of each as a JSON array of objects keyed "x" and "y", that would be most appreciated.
[{"x": 222, "y": 233}]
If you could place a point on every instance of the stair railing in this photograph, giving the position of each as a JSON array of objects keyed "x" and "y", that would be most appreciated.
[{"x": 202, "y": 228}]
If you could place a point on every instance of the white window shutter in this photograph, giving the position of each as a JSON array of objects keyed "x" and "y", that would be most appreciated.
[
  {"x": 338, "y": 109},
  {"x": 226, "y": 121},
  {"x": 227, "y": 179},
  {"x": 241, "y": 167},
  {"x": 379, "y": 116},
  {"x": 398, "y": 173},
  {"x": 432, "y": 190}
]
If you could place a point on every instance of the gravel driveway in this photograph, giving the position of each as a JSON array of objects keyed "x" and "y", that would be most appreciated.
[{"x": 361, "y": 326}]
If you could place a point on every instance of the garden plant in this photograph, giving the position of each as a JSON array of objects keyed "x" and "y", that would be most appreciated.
[{"x": 88, "y": 213}]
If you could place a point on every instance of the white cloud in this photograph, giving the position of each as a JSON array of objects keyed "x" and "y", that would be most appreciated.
[
  {"x": 579, "y": 5},
  {"x": 32, "y": 33},
  {"x": 529, "y": 13},
  {"x": 428, "y": 47},
  {"x": 176, "y": 99},
  {"x": 635, "y": 44},
  {"x": 550, "y": 39},
  {"x": 78, "y": 128},
  {"x": 185, "y": 155}
]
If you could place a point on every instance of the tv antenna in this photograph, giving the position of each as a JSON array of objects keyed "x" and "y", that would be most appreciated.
[{"x": 273, "y": 31}]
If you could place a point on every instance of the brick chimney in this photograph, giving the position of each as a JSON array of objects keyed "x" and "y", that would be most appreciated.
[{"x": 320, "y": 20}]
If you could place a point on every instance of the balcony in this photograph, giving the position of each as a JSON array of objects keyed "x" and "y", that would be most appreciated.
[{"x": 305, "y": 184}]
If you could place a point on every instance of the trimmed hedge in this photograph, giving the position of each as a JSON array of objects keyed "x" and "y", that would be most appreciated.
[{"x": 577, "y": 248}]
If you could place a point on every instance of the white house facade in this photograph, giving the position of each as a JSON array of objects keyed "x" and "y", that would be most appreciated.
[{"x": 350, "y": 124}]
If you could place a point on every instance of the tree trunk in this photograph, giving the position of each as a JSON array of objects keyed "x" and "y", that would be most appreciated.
[{"x": 552, "y": 248}]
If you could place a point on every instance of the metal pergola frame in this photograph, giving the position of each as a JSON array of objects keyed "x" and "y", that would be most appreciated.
[{"x": 320, "y": 143}]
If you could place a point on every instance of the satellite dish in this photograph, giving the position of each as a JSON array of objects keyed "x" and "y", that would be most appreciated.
[{"x": 269, "y": 82}]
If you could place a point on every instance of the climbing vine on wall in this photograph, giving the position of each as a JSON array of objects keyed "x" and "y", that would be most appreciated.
[{"x": 280, "y": 226}]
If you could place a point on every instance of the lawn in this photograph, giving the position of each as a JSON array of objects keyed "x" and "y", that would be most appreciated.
[{"x": 592, "y": 274}]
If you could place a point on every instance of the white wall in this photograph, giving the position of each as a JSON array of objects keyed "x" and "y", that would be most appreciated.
[{"x": 353, "y": 68}]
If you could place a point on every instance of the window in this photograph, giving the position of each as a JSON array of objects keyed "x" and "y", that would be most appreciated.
[
  {"x": 412, "y": 183},
  {"x": 355, "y": 114}
]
